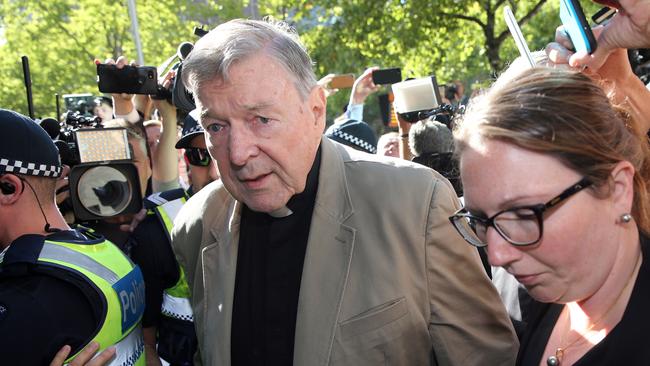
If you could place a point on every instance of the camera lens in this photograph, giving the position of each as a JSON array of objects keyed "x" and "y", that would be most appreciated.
[{"x": 104, "y": 191}]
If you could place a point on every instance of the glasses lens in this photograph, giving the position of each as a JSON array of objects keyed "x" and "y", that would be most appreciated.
[
  {"x": 519, "y": 226},
  {"x": 197, "y": 156},
  {"x": 472, "y": 230}
]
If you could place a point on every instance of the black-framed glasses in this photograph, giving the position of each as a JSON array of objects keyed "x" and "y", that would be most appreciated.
[
  {"x": 197, "y": 156},
  {"x": 520, "y": 226}
]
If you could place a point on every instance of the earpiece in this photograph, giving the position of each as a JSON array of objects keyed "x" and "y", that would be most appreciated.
[{"x": 7, "y": 188}]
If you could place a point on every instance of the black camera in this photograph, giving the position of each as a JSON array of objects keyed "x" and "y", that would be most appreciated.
[
  {"x": 178, "y": 95},
  {"x": 103, "y": 180}
]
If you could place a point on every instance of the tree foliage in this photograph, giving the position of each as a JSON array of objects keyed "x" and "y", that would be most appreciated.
[
  {"x": 62, "y": 38},
  {"x": 453, "y": 39}
]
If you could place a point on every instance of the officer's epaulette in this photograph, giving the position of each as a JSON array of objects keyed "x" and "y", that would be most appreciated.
[{"x": 160, "y": 198}]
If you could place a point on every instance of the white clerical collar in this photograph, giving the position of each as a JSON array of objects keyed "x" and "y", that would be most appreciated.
[{"x": 281, "y": 212}]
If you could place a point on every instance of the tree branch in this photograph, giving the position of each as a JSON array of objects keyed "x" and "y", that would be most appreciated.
[
  {"x": 68, "y": 33},
  {"x": 499, "y": 3},
  {"x": 502, "y": 36},
  {"x": 465, "y": 17}
]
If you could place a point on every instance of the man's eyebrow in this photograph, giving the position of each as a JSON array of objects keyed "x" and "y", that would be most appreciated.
[
  {"x": 251, "y": 108},
  {"x": 258, "y": 106}
]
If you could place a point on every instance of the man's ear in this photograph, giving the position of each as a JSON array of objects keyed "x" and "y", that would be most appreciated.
[
  {"x": 622, "y": 193},
  {"x": 10, "y": 189},
  {"x": 318, "y": 105}
]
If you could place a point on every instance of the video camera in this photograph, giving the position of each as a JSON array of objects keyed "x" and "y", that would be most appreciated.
[
  {"x": 180, "y": 96},
  {"x": 418, "y": 99},
  {"x": 144, "y": 79},
  {"x": 103, "y": 180}
]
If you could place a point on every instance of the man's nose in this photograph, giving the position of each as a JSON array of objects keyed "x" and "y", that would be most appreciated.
[{"x": 242, "y": 145}]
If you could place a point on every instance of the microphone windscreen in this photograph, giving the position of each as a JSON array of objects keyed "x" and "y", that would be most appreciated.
[
  {"x": 184, "y": 50},
  {"x": 51, "y": 126}
]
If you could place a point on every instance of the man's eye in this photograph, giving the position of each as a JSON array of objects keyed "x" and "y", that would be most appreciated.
[
  {"x": 263, "y": 120},
  {"x": 214, "y": 128}
]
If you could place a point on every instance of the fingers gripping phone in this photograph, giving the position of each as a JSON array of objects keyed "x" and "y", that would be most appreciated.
[
  {"x": 342, "y": 81},
  {"x": 129, "y": 79},
  {"x": 387, "y": 76},
  {"x": 576, "y": 26}
]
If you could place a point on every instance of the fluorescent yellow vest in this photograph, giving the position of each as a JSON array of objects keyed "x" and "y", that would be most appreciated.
[
  {"x": 121, "y": 285},
  {"x": 176, "y": 302}
]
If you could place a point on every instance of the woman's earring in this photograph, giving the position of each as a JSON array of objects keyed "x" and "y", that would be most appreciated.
[{"x": 625, "y": 218}]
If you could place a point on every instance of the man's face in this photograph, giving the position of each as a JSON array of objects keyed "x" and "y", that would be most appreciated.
[
  {"x": 153, "y": 135},
  {"x": 388, "y": 145},
  {"x": 103, "y": 111},
  {"x": 141, "y": 162},
  {"x": 262, "y": 134},
  {"x": 201, "y": 176}
]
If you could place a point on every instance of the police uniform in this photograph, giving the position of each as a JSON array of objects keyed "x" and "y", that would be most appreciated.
[
  {"x": 167, "y": 304},
  {"x": 67, "y": 288},
  {"x": 167, "y": 295},
  {"x": 97, "y": 291}
]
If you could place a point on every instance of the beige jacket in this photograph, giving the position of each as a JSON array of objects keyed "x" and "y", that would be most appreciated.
[{"x": 386, "y": 279}]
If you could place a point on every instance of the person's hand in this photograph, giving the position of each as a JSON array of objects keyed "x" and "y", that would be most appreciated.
[
  {"x": 62, "y": 187},
  {"x": 324, "y": 83},
  {"x": 123, "y": 102},
  {"x": 629, "y": 28},
  {"x": 615, "y": 68},
  {"x": 165, "y": 109},
  {"x": 85, "y": 358},
  {"x": 135, "y": 221},
  {"x": 363, "y": 86}
]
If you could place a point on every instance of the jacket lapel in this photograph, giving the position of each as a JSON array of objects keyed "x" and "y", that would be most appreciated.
[
  {"x": 219, "y": 270},
  {"x": 327, "y": 262}
]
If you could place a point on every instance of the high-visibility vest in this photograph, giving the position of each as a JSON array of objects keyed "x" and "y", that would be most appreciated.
[
  {"x": 177, "y": 341},
  {"x": 176, "y": 303},
  {"x": 118, "y": 282}
]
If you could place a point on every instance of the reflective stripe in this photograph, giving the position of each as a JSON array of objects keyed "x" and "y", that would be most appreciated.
[
  {"x": 2, "y": 255},
  {"x": 67, "y": 255},
  {"x": 177, "y": 307},
  {"x": 156, "y": 198},
  {"x": 168, "y": 212},
  {"x": 129, "y": 350}
]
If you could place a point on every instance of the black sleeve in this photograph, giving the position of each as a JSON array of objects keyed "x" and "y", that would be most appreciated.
[
  {"x": 152, "y": 252},
  {"x": 40, "y": 314}
]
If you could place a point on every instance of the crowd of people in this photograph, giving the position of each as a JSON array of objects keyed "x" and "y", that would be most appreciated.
[{"x": 513, "y": 234}]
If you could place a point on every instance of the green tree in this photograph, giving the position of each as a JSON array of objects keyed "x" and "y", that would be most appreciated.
[
  {"x": 453, "y": 39},
  {"x": 62, "y": 38}
]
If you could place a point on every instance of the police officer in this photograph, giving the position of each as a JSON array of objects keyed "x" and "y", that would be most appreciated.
[
  {"x": 58, "y": 286},
  {"x": 168, "y": 318}
]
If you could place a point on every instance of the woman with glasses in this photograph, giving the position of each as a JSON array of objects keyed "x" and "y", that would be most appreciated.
[{"x": 556, "y": 190}]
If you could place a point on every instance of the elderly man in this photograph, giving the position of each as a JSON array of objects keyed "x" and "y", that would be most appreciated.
[{"x": 311, "y": 253}]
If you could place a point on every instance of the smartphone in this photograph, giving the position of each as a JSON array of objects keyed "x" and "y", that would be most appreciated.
[
  {"x": 129, "y": 79},
  {"x": 576, "y": 26},
  {"x": 343, "y": 81},
  {"x": 387, "y": 76}
]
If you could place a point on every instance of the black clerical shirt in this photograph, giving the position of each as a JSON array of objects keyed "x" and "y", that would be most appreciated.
[{"x": 267, "y": 285}]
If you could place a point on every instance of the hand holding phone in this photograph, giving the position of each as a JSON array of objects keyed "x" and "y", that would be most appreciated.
[
  {"x": 576, "y": 26},
  {"x": 128, "y": 79}
]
